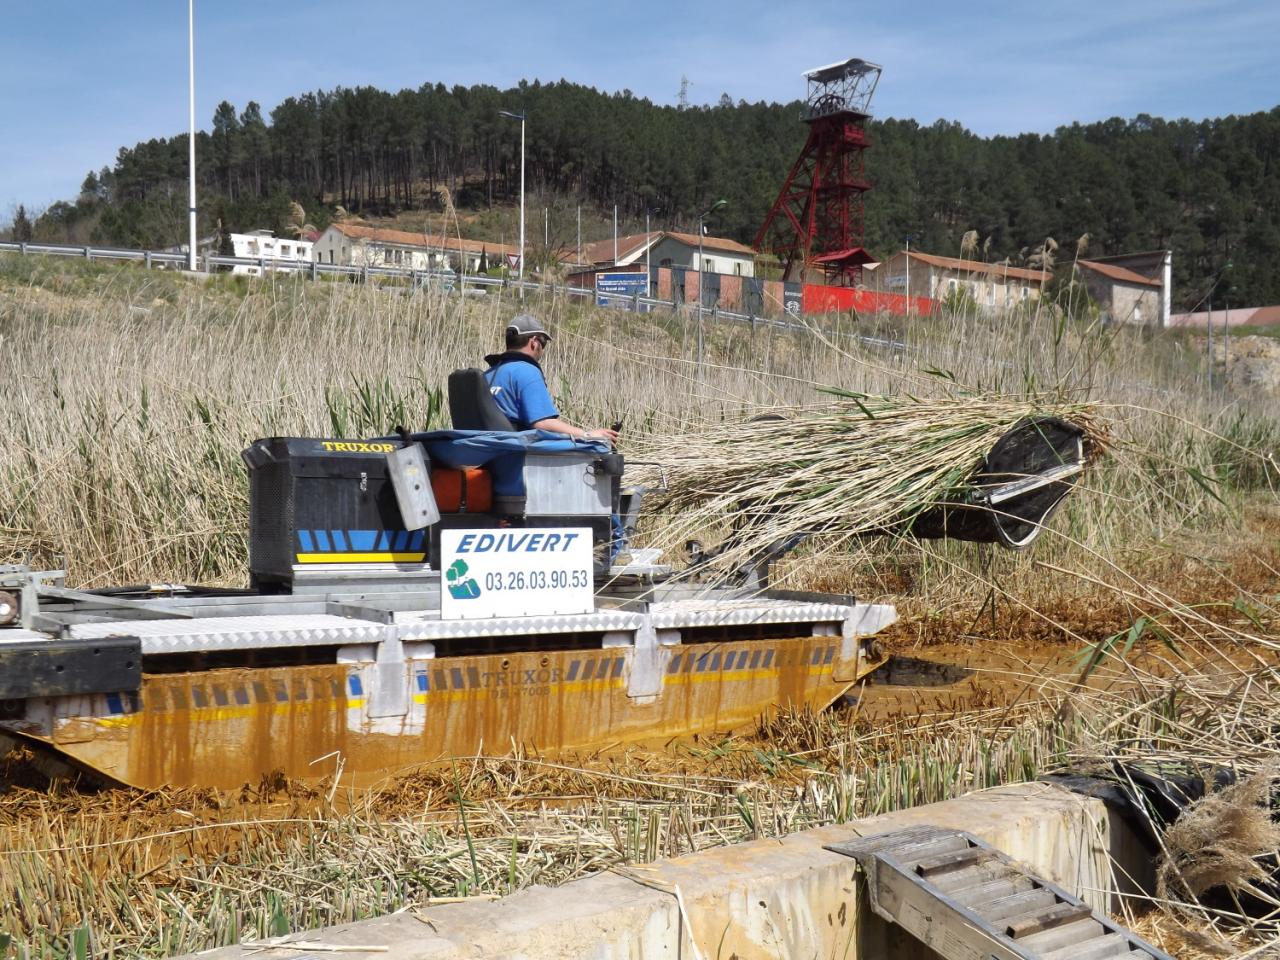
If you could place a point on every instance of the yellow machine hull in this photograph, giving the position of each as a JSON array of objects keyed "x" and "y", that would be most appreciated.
[{"x": 226, "y": 727}]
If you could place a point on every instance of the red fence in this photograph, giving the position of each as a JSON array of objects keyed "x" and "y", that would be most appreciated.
[{"x": 823, "y": 299}]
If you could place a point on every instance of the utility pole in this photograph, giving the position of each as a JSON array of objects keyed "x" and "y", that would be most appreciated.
[
  {"x": 908, "y": 240},
  {"x": 615, "y": 234},
  {"x": 648, "y": 246},
  {"x": 579, "y": 233},
  {"x": 191, "y": 136},
  {"x": 520, "y": 262},
  {"x": 1226, "y": 319},
  {"x": 1226, "y": 333},
  {"x": 1226, "y": 325},
  {"x": 1209, "y": 339}
]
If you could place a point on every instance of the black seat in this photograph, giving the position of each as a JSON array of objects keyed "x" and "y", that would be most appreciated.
[{"x": 471, "y": 405}]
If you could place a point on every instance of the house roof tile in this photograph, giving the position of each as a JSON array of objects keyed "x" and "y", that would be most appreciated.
[
  {"x": 979, "y": 266},
  {"x": 1121, "y": 274},
  {"x": 421, "y": 240},
  {"x": 602, "y": 250},
  {"x": 722, "y": 244}
]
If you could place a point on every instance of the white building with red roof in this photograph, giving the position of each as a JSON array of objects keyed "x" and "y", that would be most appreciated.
[
  {"x": 356, "y": 245},
  {"x": 1131, "y": 288},
  {"x": 994, "y": 286},
  {"x": 667, "y": 248}
]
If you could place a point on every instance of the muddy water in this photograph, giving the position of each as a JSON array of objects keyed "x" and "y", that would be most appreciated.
[
  {"x": 939, "y": 665},
  {"x": 955, "y": 678}
]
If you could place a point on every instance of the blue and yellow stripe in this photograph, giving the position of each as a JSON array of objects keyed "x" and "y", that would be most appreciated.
[{"x": 362, "y": 546}]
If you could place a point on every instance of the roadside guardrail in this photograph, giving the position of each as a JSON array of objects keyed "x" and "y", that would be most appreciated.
[{"x": 314, "y": 270}]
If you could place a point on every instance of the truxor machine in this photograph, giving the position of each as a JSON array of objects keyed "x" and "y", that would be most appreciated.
[{"x": 431, "y": 595}]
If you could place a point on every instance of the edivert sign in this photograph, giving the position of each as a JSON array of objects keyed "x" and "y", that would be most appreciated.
[{"x": 514, "y": 572}]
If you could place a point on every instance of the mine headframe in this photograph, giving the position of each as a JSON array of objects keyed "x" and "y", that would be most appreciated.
[{"x": 816, "y": 225}]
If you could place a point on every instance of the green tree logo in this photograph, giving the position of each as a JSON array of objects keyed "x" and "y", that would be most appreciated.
[{"x": 459, "y": 588}]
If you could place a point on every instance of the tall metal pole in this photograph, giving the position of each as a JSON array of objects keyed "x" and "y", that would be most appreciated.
[
  {"x": 520, "y": 260},
  {"x": 908, "y": 269},
  {"x": 1226, "y": 335},
  {"x": 1209, "y": 340},
  {"x": 702, "y": 219},
  {"x": 579, "y": 233},
  {"x": 1226, "y": 326},
  {"x": 700, "y": 229},
  {"x": 648, "y": 267},
  {"x": 546, "y": 227},
  {"x": 520, "y": 268},
  {"x": 615, "y": 234},
  {"x": 191, "y": 138}
]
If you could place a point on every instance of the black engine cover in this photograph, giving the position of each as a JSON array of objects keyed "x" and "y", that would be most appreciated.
[{"x": 323, "y": 501}]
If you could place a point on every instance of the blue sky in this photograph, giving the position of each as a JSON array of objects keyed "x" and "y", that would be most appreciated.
[{"x": 82, "y": 79}]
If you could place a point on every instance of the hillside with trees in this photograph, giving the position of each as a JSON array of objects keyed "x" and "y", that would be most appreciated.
[{"x": 1209, "y": 189}]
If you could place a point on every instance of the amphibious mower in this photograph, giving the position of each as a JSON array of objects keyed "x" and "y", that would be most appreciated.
[{"x": 369, "y": 639}]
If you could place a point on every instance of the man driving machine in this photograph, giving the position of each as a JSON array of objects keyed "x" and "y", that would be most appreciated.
[{"x": 520, "y": 389}]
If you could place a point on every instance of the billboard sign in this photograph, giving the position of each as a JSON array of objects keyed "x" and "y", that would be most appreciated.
[{"x": 629, "y": 284}]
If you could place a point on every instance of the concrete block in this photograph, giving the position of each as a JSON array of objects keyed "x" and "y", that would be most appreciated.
[{"x": 780, "y": 898}]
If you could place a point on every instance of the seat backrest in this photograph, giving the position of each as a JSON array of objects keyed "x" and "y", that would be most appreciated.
[{"x": 471, "y": 405}]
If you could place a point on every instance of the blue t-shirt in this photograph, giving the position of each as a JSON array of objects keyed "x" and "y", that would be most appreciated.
[{"x": 521, "y": 393}]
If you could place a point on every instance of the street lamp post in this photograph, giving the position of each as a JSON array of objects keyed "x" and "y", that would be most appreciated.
[
  {"x": 702, "y": 218},
  {"x": 520, "y": 263}
]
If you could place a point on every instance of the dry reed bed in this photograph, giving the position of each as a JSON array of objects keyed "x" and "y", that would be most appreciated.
[{"x": 128, "y": 396}]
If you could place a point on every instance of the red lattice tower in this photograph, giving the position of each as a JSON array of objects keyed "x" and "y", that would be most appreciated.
[{"x": 815, "y": 227}]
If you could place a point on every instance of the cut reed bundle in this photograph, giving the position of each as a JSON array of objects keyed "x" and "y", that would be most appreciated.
[{"x": 850, "y": 467}]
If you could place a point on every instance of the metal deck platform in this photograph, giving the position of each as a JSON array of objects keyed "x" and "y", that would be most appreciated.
[
  {"x": 968, "y": 901},
  {"x": 667, "y": 622}
]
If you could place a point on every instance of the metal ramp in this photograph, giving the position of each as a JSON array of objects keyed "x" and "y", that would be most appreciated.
[{"x": 968, "y": 901}]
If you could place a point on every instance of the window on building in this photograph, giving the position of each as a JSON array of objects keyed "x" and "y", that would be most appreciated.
[
  {"x": 952, "y": 286},
  {"x": 666, "y": 262},
  {"x": 331, "y": 255},
  {"x": 386, "y": 254},
  {"x": 286, "y": 250},
  {"x": 991, "y": 294},
  {"x": 737, "y": 268},
  {"x": 709, "y": 265},
  {"x": 253, "y": 248}
]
